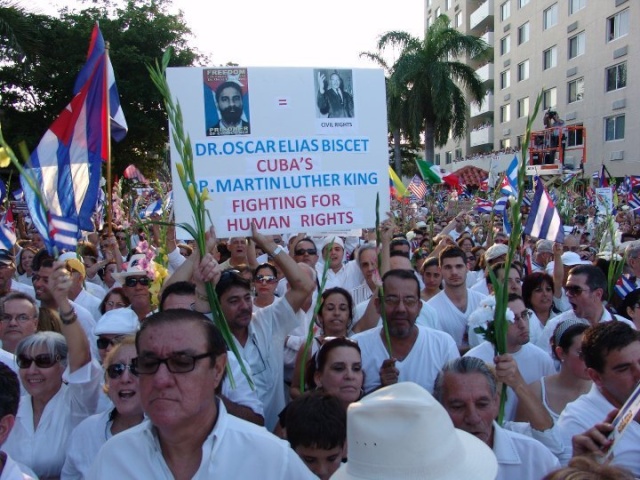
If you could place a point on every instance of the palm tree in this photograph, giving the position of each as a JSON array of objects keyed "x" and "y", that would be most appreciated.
[
  {"x": 17, "y": 32},
  {"x": 431, "y": 85}
]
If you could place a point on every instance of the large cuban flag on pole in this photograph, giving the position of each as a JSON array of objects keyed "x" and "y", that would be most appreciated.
[{"x": 66, "y": 165}]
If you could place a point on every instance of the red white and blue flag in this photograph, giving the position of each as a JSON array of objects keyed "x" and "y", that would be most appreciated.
[
  {"x": 417, "y": 187},
  {"x": 624, "y": 286},
  {"x": 634, "y": 181},
  {"x": 544, "y": 221},
  {"x": 7, "y": 232},
  {"x": 634, "y": 201},
  {"x": 509, "y": 185},
  {"x": 66, "y": 165}
]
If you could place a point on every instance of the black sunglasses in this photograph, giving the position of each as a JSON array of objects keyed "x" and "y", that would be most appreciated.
[
  {"x": 105, "y": 342},
  {"x": 117, "y": 369},
  {"x": 43, "y": 360},
  {"x": 302, "y": 251},
  {"x": 133, "y": 281},
  {"x": 178, "y": 363}
]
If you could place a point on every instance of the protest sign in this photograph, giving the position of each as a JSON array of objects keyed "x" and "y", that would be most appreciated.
[{"x": 293, "y": 149}]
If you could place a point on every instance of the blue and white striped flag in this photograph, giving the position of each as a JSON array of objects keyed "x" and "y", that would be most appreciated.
[
  {"x": 7, "y": 235},
  {"x": 63, "y": 234},
  {"x": 624, "y": 286},
  {"x": 510, "y": 183},
  {"x": 66, "y": 165},
  {"x": 544, "y": 221}
]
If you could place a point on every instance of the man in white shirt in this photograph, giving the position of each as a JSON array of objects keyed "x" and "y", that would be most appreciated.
[
  {"x": 339, "y": 274},
  {"x": 77, "y": 293},
  {"x": 417, "y": 353},
  {"x": 468, "y": 391},
  {"x": 181, "y": 361},
  {"x": 611, "y": 352},
  {"x": 455, "y": 302},
  {"x": 18, "y": 319}
]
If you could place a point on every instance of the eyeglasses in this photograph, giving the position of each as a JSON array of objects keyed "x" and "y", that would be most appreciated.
[
  {"x": 177, "y": 363},
  {"x": 43, "y": 360},
  {"x": 21, "y": 318},
  {"x": 133, "y": 281},
  {"x": 575, "y": 290},
  {"x": 106, "y": 342},
  {"x": 117, "y": 369},
  {"x": 395, "y": 301},
  {"x": 266, "y": 279},
  {"x": 308, "y": 251},
  {"x": 524, "y": 316},
  {"x": 112, "y": 304}
]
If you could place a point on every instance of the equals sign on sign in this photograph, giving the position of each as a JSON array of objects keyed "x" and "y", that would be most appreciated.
[{"x": 283, "y": 102}]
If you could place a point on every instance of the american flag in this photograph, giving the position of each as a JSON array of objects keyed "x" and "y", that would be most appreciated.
[{"x": 417, "y": 187}]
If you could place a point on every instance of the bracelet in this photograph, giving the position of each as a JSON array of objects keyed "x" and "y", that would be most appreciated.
[
  {"x": 68, "y": 318},
  {"x": 202, "y": 296}
]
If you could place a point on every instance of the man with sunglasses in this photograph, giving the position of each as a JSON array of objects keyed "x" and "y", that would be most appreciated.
[
  {"x": 586, "y": 288},
  {"x": 135, "y": 283},
  {"x": 181, "y": 362}
]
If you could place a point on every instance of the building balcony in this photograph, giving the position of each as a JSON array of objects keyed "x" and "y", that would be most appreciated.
[
  {"x": 483, "y": 136},
  {"x": 482, "y": 17},
  {"x": 485, "y": 73},
  {"x": 486, "y": 108},
  {"x": 488, "y": 38}
]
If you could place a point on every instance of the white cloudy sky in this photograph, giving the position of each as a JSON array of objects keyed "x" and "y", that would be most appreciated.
[{"x": 287, "y": 32}]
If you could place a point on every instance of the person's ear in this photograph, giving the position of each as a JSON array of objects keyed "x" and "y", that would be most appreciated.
[
  {"x": 595, "y": 376},
  {"x": 219, "y": 368},
  {"x": 6, "y": 424},
  {"x": 316, "y": 380}
]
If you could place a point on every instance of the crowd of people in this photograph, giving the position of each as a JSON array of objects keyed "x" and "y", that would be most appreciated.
[{"x": 320, "y": 356}]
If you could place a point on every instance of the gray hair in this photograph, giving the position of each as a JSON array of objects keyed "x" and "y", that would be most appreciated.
[
  {"x": 53, "y": 342},
  {"x": 19, "y": 296},
  {"x": 366, "y": 246},
  {"x": 464, "y": 365},
  {"x": 633, "y": 250}
]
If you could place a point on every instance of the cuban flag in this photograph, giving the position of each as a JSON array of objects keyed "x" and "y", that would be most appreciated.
[
  {"x": 66, "y": 165},
  {"x": 634, "y": 181},
  {"x": 624, "y": 286},
  {"x": 7, "y": 232},
  {"x": 634, "y": 201},
  {"x": 501, "y": 205},
  {"x": 509, "y": 185},
  {"x": 154, "y": 208},
  {"x": 483, "y": 206},
  {"x": 544, "y": 221},
  {"x": 133, "y": 173}
]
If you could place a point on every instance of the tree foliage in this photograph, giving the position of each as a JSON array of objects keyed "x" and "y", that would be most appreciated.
[
  {"x": 138, "y": 31},
  {"x": 430, "y": 81}
]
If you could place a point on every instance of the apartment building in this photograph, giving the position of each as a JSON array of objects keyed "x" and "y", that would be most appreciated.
[{"x": 582, "y": 54}]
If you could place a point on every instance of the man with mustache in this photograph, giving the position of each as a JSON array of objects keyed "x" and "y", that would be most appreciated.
[{"x": 230, "y": 103}]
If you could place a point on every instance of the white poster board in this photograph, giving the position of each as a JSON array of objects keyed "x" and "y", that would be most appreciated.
[
  {"x": 604, "y": 201},
  {"x": 281, "y": 147}
]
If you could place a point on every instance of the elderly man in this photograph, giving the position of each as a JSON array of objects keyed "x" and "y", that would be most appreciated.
[
  {"x": 8, "y": 283},
  {"x": 633, "y": 260},
  {"x": 135, "y": 283},
  {"x": 542, "y": 256},
  {"x": 78, "y": 293},
  {"x": 467, "y": 390},
  {"x": 181, "y": 361},
  {"x": 611, "y": 352},
  {"x": 18, "y": 319},
  {"x": 417, "y": 352},
  {"x": 586, "y": 287}
]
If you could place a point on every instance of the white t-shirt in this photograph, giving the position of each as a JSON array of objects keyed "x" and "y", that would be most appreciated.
[
  {"x": 427, "y": 356},
  {"x": 533, "y": 364},
  {"x": 348, "y": 277},
  {"x": 452, "y": 320},
  {"x": 136, "y": 453},
  {"x": 44, "y": 449}
]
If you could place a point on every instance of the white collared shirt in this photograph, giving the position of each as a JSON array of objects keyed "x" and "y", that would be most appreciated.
[{"x": 234, "y": 449}]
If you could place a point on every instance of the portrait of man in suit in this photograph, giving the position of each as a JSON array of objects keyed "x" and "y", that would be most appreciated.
[
  {"x": 334, "y": 100},
  {"x": 226, "y": 101}
]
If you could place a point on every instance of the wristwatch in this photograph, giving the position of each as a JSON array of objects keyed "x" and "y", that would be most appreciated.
[{"x": 278, "y": 250}]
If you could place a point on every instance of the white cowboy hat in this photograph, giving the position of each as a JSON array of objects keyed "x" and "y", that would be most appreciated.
[
  {"x": 133, "y": 269},
  {"x": 401, "y": 431}
]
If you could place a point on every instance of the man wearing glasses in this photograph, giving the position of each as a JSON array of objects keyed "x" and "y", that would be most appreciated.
[
  {"x": 532, "y": 363},
  {"x": 586, "y": 288},
  {"x": 18, "y": 319},
  {"x": 181, "y": 361},
  {"x": 135, "y": 284},
  {"x": 417, "y": 352}
]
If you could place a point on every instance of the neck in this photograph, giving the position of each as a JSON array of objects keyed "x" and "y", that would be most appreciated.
[
  {"x": 459, "y": 292},
  {"x": 241, "y": 334},
  {"x": 593, "y": 315},
  {"x": 543, "y": 316},
  {"x": 570, "y": 381},
  {"x": 263, "y": 301},
  {"x": 514, "y": 348},
  {"x": 141, "y": 310},
  {"x": 124, "y": 422},
  {"x": 40, "y": 402}
]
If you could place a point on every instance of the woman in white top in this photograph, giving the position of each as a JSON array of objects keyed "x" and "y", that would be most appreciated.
[
  {"x": 122, "y": 388},
  {"x": 556, "y": 391},
  {"x": 62, "y": 383}
]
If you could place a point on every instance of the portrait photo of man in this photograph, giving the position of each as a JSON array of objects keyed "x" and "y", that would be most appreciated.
[
  {"x": 334, "y": 93},
  {"x": 226, "y": 102}
]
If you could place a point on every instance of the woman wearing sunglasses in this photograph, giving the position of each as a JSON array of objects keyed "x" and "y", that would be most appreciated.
[
  {"x": 122, "y": 388},
  {"x": 265, "y": 282},
  {"x": 62, "y": 383}
]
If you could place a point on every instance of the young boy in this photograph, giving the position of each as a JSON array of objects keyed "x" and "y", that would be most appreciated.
[{"x": 316, "y": 425}]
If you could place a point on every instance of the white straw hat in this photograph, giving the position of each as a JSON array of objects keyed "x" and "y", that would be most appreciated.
[{"x": 402, "y": 432}]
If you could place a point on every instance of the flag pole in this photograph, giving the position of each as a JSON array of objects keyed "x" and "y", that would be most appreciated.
[{"x": 108, "y": 102}]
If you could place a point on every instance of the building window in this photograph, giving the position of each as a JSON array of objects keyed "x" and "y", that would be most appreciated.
[
  {"x": 458, "y": 154},
  {"x": 505, "y": 10},
  {"x": 575, "y": 5},
  {"x": 574, "y": 137},
  {"x": 458, "y": 19},
  {"x": 614, "y": 128},
  {"x": 505, "y": 113},
  {"x": 523, "y": 33},
  {"x": 522, "y": 3},
  {"x": 550, "y": 58},
  {"x": 505, "y": 79},
  {"x": 519, "y": 141},
  {"x": 449, "y": 157},
  {"x": 523, "y": 70},
  {"x": 618, "y": 25},
  {"x": 437, "y": 14},
  {"x": 577, "y": 45},
  {"x": 617, "y": 77},
  {"x": 523, "y": 107},
  {"x": 505, "y": 143},
  {"x": 575, "y": 90},
  {"x": 437, "y": 158},
  {"x": 550, "y": 98},
  {"x": 505, "y": 45},
  {"x": 429, "y": 21},
  {"x": 447, "y": 4},
  {"x": 550, "y": 16}
]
